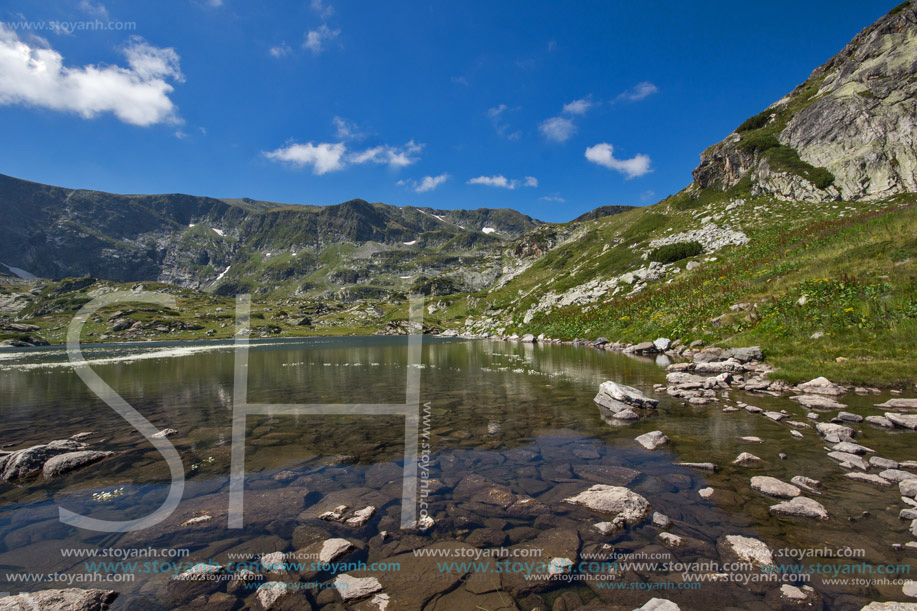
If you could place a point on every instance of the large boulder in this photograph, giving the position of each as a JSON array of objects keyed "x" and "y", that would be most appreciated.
[
  {"x": 613, "y": 500},
  {"x": 774, "y": 487},
  {"x": 905, "y": 421},
  {"x": 800, "y": 507},
  {"x": 26, "y": 463},
  {"x": 818, "y": 402},
  {"x": 69, "y": 599},
  {"x": 821, "y": 386},
  {"x": 746, "y": 549},
  {"x": 652, "y": 440},
  {"x": 626, "y": 394},
  {"x": 64, "y": 463}
]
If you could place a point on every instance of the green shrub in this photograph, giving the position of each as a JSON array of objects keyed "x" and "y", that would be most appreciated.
[
  {"x": 786, "y": 159},
  {"x": 758, "y": 142},
  {"x": 755, "y": 122},
  {"x": 899, "y": 8},
  {"x": 676, "y": 252}
]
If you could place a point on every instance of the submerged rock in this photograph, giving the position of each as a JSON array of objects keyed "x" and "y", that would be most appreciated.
[
  {"x": 818, "y": 402},
  {"x": 870, "y": 478},
  {"x": 355, "y": 588},
  {"x": 746, "y": 458}
]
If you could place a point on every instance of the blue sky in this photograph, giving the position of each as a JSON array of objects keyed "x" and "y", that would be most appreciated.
[{"x": 548, "y": 108}]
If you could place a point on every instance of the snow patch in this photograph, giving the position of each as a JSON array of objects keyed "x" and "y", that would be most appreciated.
[
  {"x": 488, "y": 230},
  {"x": 223, "y": 273},
  {"x": 218, "y": 232},
  {"x": 411, "y": 243},
  {"x": 190, "y": 225}
]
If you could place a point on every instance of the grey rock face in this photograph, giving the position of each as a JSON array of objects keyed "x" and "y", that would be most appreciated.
[{"x": 858, "y": 120}]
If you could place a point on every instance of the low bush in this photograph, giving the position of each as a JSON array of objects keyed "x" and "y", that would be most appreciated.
[{"x": 676, "y": 252}]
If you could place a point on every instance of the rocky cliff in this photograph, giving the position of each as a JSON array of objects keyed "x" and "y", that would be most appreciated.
[{"x": 848, "y": 132}]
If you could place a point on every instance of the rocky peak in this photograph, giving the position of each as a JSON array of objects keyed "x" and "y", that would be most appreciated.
[{"x": 848, "y": 132}]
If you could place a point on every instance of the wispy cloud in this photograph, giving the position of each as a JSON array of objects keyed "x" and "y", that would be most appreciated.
[
  {"x": 603, "y": 155},
  {"x": 502, "y": 182},
  {"x": 32, "y": 74},
  {"x": 96, "y": 9},
  {"x": 460, "y": 80},
  {"x": 427, "y": 183},
  {"x": 552, "y": 198},
  {"x": 281, "y": 50},
  {"x": 558, "y": 129},
  {"x": 638, "y": 92},
  {"x": 397, "y": 157},
  {"x": 326, "y": 157},
  {"x": 324, "y": 11},
  {"x": 347, "y": 130},
  {"x": 579, "y": 107},
  {"x": 316, "y": 39},
  {"x": 501, "y": 126}
]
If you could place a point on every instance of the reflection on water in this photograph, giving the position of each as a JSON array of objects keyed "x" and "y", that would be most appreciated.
[{"x": 517, "y": 417}]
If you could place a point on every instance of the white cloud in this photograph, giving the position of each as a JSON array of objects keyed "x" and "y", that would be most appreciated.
[
  {"x": 324, "y": 11},
  {"x": 427, "y": 183},
  {"x": 603, "y": 154},
  {"x": 579, "y": 107},
  {"x": 96, "y": 9},
  {"x": 494, "y": 181},
  {"x": 503, "y": 182},
  {"x": 552, "y": 198},
  {"x": 281, "y": 50},
  {"x": 33, "y": 75},
  {"x": 637, "y": 92},
  {"x": 327, "y": 157},
  {"x": 324, "y": 157},
  {"x": 558, "y": 129},
  {"x": 316, "y": 39}
]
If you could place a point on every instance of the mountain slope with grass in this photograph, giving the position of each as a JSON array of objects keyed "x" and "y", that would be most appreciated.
[{"x": 797, "y": 233}]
